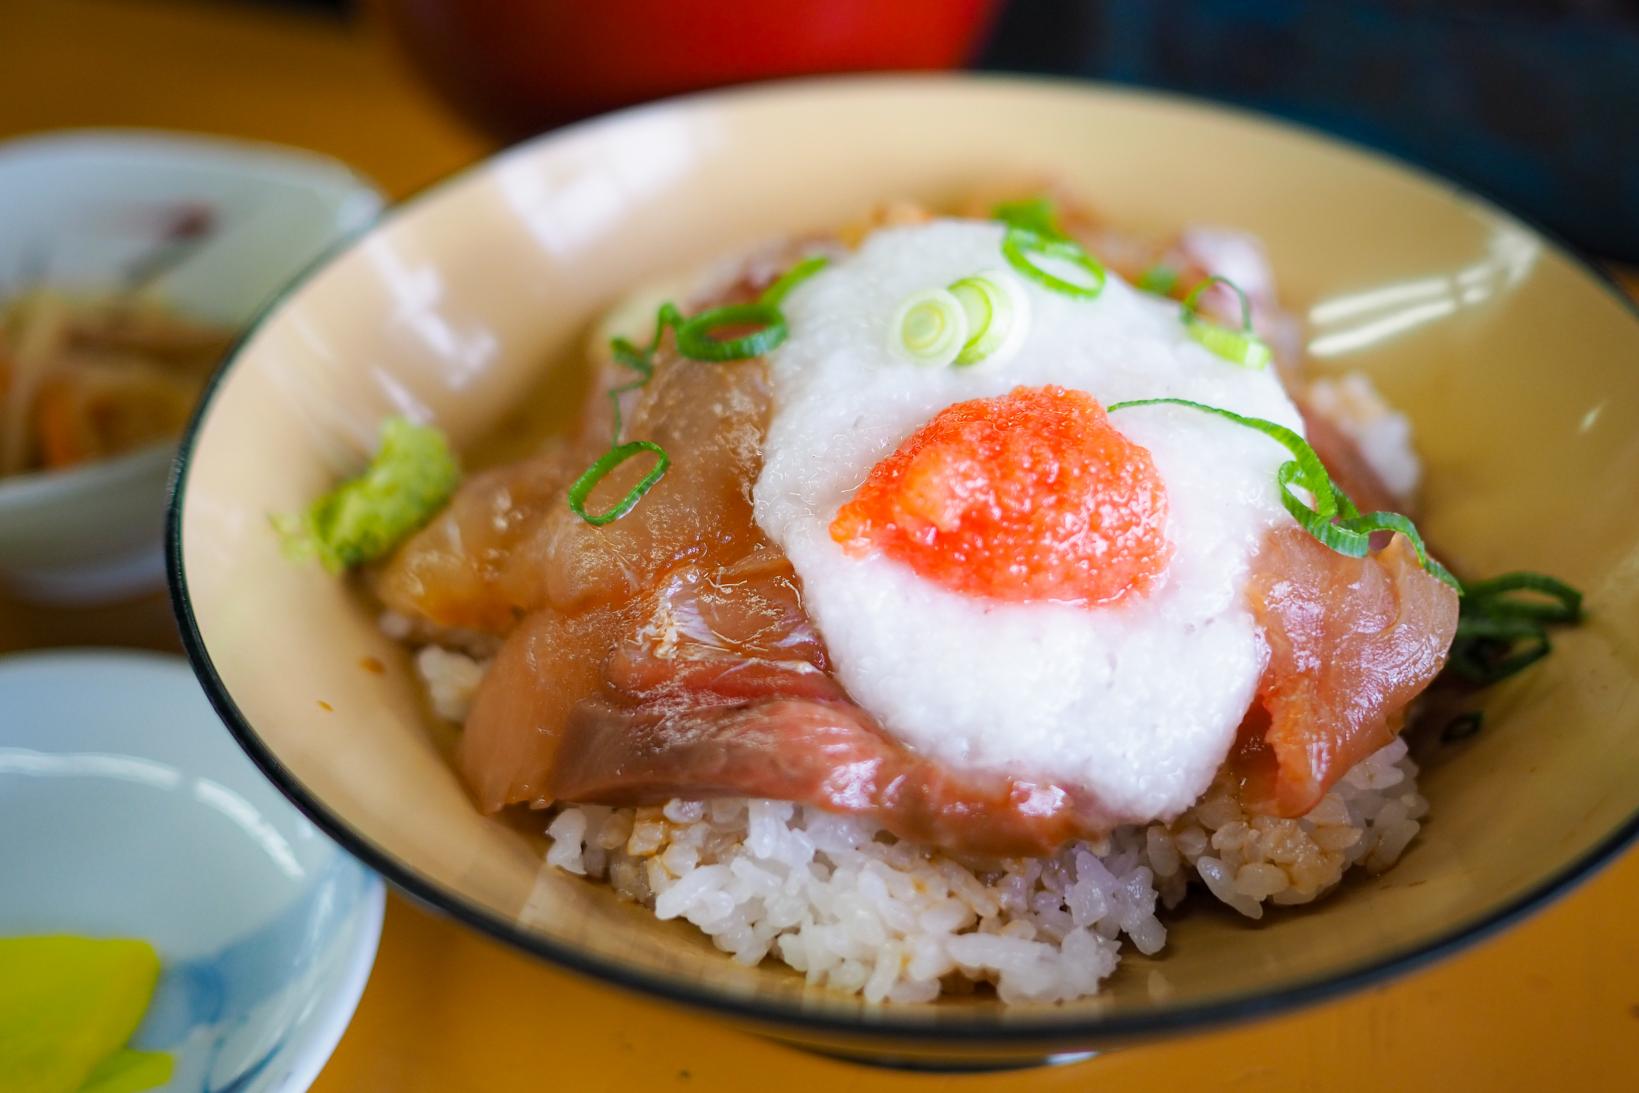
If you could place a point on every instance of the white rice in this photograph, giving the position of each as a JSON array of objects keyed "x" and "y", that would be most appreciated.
[
  {"x": 451, "y": 678},
  {"x": 855, "y": 910},
  {"x": 1382, "y": 433}
]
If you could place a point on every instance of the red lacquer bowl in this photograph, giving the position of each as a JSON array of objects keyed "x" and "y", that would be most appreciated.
[{"x": 517, "y": 67}]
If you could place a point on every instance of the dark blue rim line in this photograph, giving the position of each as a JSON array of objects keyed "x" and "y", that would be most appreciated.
[{"x": 947, "y": 1025}]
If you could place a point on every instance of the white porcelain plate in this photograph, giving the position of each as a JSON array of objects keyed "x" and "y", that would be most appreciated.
[{"x": 128, "y": 811}]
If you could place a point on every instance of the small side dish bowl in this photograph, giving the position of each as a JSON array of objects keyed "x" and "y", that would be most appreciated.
[
  {"x": 130, "y": 813},
  {"x": 83, "y": 209},
  {"x": 1514, "y": 361}
]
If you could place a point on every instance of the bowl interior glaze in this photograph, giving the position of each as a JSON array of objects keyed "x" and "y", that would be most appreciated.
[{"x": 1515, "y": 363}]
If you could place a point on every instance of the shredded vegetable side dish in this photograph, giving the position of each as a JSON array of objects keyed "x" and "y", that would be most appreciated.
[{"x": 89, "y": 377}]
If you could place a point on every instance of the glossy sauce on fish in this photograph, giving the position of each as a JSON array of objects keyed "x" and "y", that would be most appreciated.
[{"x": 668, "y": 654}]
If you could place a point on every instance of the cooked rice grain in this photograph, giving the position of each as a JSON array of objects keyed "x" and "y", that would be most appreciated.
[
  {"x": 853, "y": 909},
  {"x": 1381, "y": 432}
]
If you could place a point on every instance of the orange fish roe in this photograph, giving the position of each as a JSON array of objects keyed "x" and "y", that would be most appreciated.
[{"x": 1032, "y": 495}]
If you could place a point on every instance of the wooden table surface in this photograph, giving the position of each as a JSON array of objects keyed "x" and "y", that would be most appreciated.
[{"x": 1552, "y": 1004}]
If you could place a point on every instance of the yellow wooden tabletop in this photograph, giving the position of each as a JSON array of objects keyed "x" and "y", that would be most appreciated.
[{"x": 1552, "y": 1004}]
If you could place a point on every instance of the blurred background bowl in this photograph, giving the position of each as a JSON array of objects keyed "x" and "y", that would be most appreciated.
[
  {"x": 128, "y": 812},
  {"x": 516, "y": 67},
  {"x": 82, "y": 208},
  {"x": 1514, "y": 362}
]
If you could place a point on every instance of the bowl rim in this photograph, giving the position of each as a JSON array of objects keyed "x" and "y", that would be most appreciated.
[
  {"x": 27, "y": 488},
  {"x": 188, "y": 147},
  {"x": 885, "y": 1023},
  {"x": 328, "y": 1021}
]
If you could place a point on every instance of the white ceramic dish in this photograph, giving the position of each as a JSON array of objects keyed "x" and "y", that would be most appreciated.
[
  {"x": 80, "y": 209},
  {"x": 129, "y": 812}
]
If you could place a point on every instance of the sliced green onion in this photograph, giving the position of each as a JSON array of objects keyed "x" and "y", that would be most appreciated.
[
  {"x": 1035, "y": 214},
  {"x": 639, "y": 360},
  {"x": 697, "y": 338},
  {"x": 1023, "y": 248},
  {"x": 1234, "y": 346},
  {"x": 1191, "y": 307},
  {"x": 1487, "y": 651},
  {"x": 1160, "y": 279},
  {"x": 1333, "y": 519},
  {"x": 995, "y": 311},
  {"x": 930, "y": 327},
  {"x": 1243, "y": 346},
  {"x": 774, "y": 295},
  {"x": 1499, "y": 632},
  {"x": 1565, "y": 602},
  {"x": 614, "y": 457}
]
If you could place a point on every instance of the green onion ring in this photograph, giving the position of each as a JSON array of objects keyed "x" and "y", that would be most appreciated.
[
  {"x": 774, "y": 295},
  {"x": 639, "y": 360},
  {"x": 1487, "y": 658},
  {"x": 1235, "y": 346},
  {"x": 1333, "y": 519},
  {"x": 1020, "y": 246},
  {"x": 614, "y": 457},
  {"x": 696, "y": 341},
  {"x": 930, "y": 327},
  {"x": 1191, "y": 310},
  {"x": 1491, "y": 594},
  {"x": 1243, "y": 346},
  {"x": 978, "y": 299},
  {"x": 1499, "y": 633},
  {"x": 994, "y": 312}
]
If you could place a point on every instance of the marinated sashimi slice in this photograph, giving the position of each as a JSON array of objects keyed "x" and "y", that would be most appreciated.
[
  {"x": 1351, "y": 642},
  {"x": 462, "y": 569},
  {"x": 710, "y": 419},
  {"x": 738, "y": 632},
  {"x": 546, "y": 667},
  {"x": 717, "y": 687},
  {"x": 822, "y": 753},
  {"x": 703, "y": 637},
  {"x": 508, "y": 542}
]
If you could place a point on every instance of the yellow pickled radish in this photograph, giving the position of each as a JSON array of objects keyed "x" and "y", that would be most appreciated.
[
  {"x": 66, "y": 1004},
  {"x": 128, "y": 1071}
]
